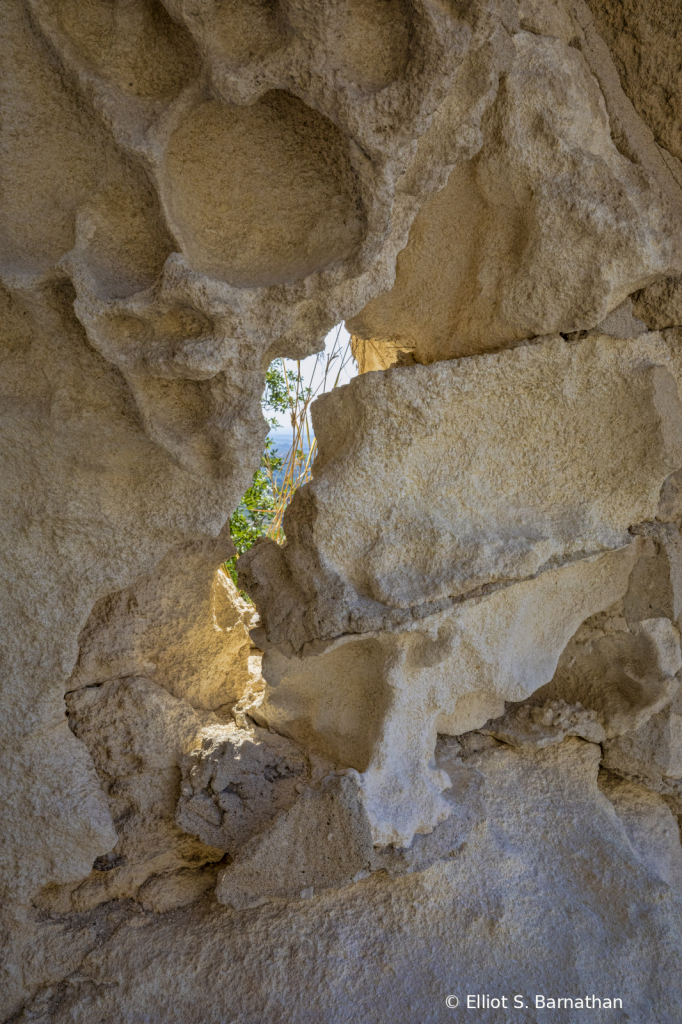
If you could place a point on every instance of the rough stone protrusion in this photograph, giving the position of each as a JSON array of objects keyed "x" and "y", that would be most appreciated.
[
  {"x": 508, "y": 465},
  {"x": 135, "y": 732},
  {"x": 324, "y": 841},
  {"x": 376, "y": 702},
  {"x": 185, "y": 627},
  {"x": 235, "y": 781},
  {"x": 535, "y": 726}
]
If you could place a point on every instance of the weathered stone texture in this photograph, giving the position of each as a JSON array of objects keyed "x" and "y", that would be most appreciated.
[
  {"x": 512, "y": 246},
  {"x": 386, "y": 948},
  {"x": 235, "y": 781},
  {"x": 136, "y": 733},
  {"x": 447, "y": 672},
  {"x": 505, "y": 465},
  {"x": 459, "y": 766},
  {"x": 184, "y": 626},
  {"x": 645, "y": 41}
]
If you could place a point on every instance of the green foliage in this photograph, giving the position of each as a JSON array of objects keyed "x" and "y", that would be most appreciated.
[
  {"x": 276, "y": 394},
  {"x": 253, "y": 515},
  {"x": 261, "y": 510}
]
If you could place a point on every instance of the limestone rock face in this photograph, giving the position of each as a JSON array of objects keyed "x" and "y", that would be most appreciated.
[
  {"x": 460, "y": 769},
  {"x": 660, "y": 305},
  {"x": 186, "y": 194},
  {"x": 644, "y": 40},
  {"x": 185, "y": 626},
  {"x": 651, "y": 753},
  {"x": 467, "y": 593},
  {"x": 491, "y": 489},
  {"x": 52, "y": 776},
  {"x": 537, "y": 726},
  {"x": 650, "y": 826},
  {"x": 78, "y": 474},
  {"x": 510, "y": 248},
  {"x": 448, "y": 672},
  {"x": 319, "y": 110},
  {"x": 622, "y": 912},
  {"x": 136, "y": 733},
  {"x": 625, "y": 676},
  {"x": 235, "y": 781},
  {"x": 328, "y": 842}
]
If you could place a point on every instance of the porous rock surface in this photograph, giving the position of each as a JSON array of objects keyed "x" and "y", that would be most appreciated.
[
  {"x": 511, "y": 247},
  {"x": 384, "y": 946},
  {"x": 506, "y": 465},
  {"x": 459, "y": 766}
]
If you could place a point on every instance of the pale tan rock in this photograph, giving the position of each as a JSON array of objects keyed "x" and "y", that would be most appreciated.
[
  {"x": 536, "y": 726},
  {"x": 650, "y": 827},
  {"x": 323, "y": 841},
  {"x": 470, "y": 485},
  {"x": 651, "y": 754},
  {"x": 114, "y": 506},
  {"x": 465, "y": 797},
  {"x": 377, "y": 702},
  {"x": 176, "y": 889},
  {"x": 551, "y": 860},
  {"x": 189, "y": 191},
  {"x": 655, "y": 589},
  {"x": 320, "y": 110},
  {"x": 621, "y": 322},
  {"x": 185, "y": 627},
  {"x": 625, "y": 676},
  {"x": 132, "y": 380},
  {"x": 373, "y": 355},
  {"x": 315, "y": 838},
  {"x": 645, "y": 40},
  {"x": 235, "y": 781},
  {"x": 547, "y": 18},
  {"x": 351, "y": 565},
  {"x": 51, "y": 787},
  {"x": 511, "y": 247},
  {"x": 646, "y": 744},
  {"x": 660, "y": 305},
  {"x": 136, "y": 733}
]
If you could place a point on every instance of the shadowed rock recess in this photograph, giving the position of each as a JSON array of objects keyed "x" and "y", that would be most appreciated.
[{"x": 440, "y": 753}]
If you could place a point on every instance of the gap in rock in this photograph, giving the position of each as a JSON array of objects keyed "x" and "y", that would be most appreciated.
[{"x": 290, "y": 447}]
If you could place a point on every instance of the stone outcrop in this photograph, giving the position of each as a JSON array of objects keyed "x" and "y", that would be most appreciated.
[
  {"x": 446, "y": 673},
  {"x": 536, "y": 726},
  {"x": 236, "y": 781},
  {"x": 645, "y": 44},
  {"x": 144, "y": 293},
  {"x": 441, "y": 751},
  {"x": 185, "y": 627},
  {"x": 317, "y": 958},
  {"x": 501, "y": 471},
  {"x": 511, "y": 248},
  {"x": 136, "y": 733}
]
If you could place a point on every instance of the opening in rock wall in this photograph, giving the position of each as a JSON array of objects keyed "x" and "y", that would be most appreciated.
[{"x": 291, "y": 386}]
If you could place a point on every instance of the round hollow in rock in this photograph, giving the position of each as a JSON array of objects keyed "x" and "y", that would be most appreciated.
[{"x": 262, "y": 195}]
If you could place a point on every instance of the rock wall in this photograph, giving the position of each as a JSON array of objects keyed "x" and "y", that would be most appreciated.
[{"x": 441, "y": 753}]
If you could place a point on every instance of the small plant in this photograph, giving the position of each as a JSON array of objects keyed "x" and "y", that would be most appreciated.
[{"x": 261, "y": 510}]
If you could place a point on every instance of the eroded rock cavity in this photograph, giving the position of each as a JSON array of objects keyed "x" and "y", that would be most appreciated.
[{"x": 441, "y": 751}]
